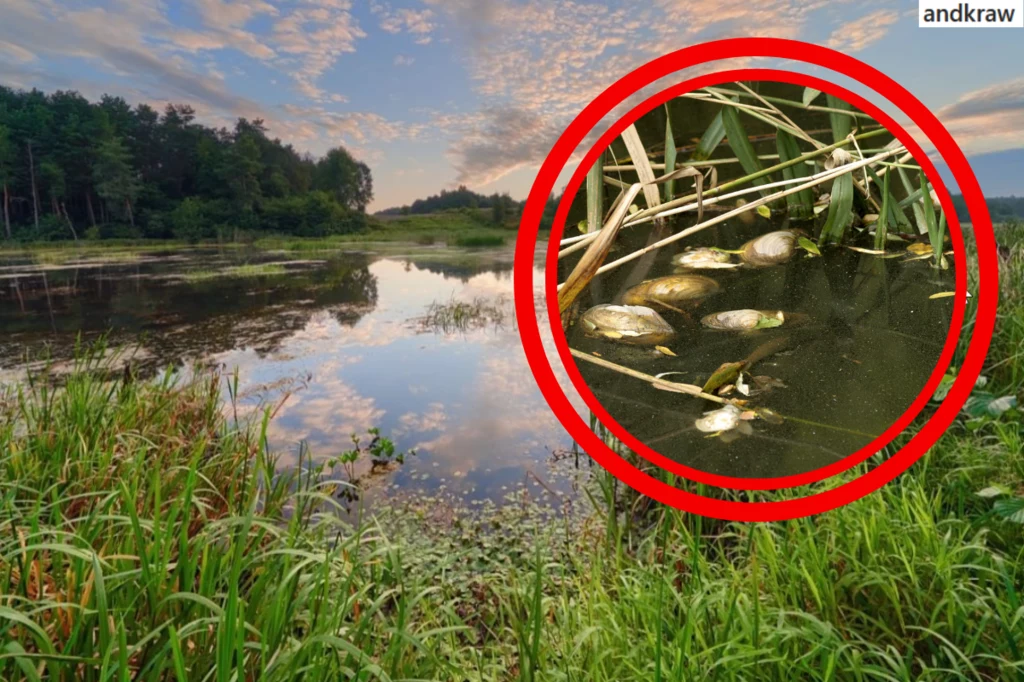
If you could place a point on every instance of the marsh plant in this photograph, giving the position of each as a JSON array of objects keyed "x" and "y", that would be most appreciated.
[{"x": 457, "y": 316}]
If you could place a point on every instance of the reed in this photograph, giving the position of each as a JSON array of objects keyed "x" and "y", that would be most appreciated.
[{"x": 145, "y": 534}]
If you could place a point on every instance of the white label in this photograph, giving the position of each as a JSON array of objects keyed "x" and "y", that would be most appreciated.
[{"x": 980, "y": 14}]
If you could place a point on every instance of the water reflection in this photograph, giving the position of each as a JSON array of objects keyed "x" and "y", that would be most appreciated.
[{"x": 339, "y": 342}]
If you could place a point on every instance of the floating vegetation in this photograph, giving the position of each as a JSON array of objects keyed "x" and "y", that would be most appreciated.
[
  {"x": 264, "y": 270},
  {"x": 456, "y": 316}
]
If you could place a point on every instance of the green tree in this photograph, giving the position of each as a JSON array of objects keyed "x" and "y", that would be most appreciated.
[
  {"x": 348, "y": 180},
  {"x": 116, "y": 181},
  {"x": 6, "y": 174}
]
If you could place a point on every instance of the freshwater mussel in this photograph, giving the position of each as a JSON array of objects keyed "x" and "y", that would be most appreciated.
[
  {"x": 703, "y": 258},
  {"x": 671, "y": 291},
  {"x": 627, "y": 323},
  {"x": 770, "y": 249},
  {"x": 743, "y": 320}
]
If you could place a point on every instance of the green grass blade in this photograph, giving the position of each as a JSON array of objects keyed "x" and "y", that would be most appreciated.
[
  {"x": 670, "y": 154},
  {"x": 896, "y": 215},
  {"x": 595, "y": 195},
  {"x": 841, "y": 124},
  {"x": 710, "y": 140},
  {"x": 801, "y": 204},
  {"x": 840, "y": 211},
  {"x": 936, "y": 232},
  {"x": 882, "y": 227},
  {"x": 740, "y": 144}
]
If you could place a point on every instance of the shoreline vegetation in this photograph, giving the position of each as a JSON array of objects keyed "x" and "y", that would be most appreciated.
[
  {"x": 145, "y": 534},
  {"x": 77, "y": 171}
]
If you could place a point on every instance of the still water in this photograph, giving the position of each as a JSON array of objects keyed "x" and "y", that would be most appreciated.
[
  {"x": 870, "y": 340},
  {"x": 343, "y": 335}
]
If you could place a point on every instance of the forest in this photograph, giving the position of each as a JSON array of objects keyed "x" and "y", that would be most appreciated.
[
  {"x": 74, "y": 169},
  {"x": 1001, "y": 209},
  {"x": 460, "y": 197}
]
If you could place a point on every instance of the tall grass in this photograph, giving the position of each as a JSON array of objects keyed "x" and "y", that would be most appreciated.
[{"x": 145, "y": 534}]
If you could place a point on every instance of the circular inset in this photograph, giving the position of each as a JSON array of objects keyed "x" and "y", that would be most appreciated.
[
  {"x": 779, "y": 275},
  {"x": 985, "y": 299}
]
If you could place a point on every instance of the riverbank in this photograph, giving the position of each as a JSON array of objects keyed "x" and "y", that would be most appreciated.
[
  {"x": 453, "y": 228},
  {"x": 137, "y": 539}
]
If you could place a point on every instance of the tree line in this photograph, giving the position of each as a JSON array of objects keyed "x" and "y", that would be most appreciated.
[
  {"x": 1001, "y": 209},
  {"x": 71, "y": 168},
  {"x": 502, "y": 207}
]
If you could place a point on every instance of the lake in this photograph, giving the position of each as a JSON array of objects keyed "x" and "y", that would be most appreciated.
[{"x": 353, "y": 340}]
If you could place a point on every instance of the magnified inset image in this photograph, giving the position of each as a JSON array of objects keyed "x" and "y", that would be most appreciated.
[{"x": 756, "y": 280}]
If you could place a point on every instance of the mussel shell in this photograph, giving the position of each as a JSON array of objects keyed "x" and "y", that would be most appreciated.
[
  {"x": 737, "y": 320},
  {"x": 703, "y": 258},
  {"x": 671, "y": 289},
  {"x": 627, "y": 323},
  {"x": 770, "y": 249},
  {"x": 724, "y": 419}
]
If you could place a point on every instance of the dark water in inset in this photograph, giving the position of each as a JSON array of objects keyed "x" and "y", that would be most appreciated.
[
  {"x": 871, "y": 340},
  {"x": 343, "y": 333}
]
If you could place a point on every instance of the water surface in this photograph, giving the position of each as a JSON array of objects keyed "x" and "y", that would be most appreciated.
[
  {"x": 871, "y": 339},
  {"x": 341, "y": 335}
]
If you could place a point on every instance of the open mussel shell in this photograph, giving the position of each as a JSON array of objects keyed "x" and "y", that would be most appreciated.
[
  {"x": 672, "y": 289},
  {"x": 724, "y": 419},
  {"x": 703, "y": 259},
  {"x": 770, "y": 249},
  {"x": 739, "y": 320},
  {"x": 628, "y": 324}
]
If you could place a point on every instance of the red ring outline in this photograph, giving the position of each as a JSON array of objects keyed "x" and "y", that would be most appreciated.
[
  {"x": 985, "y": 299},
  {"x": 774, "y": 483}
]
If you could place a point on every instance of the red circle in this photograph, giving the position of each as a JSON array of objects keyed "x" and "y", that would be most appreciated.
[
  {"x": 985, "y": 299},
  {"x": 646, "y": 451}
]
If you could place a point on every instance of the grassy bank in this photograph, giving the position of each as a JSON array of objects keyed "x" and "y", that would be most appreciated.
[
  {"x": 142, "y": 536},
  {"x": 452, "y": 228}
]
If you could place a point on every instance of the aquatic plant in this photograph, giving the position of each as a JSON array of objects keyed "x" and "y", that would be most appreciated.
[{"x": 146, "y": 534}]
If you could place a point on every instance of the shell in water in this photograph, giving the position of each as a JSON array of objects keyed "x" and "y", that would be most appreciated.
[
  {"x": 671, "y": 289},
  {"x": 769, "y": 249},
  {"x": 744, "y": 319},
  {"x": 703, "y": 258},
  {"x": 627, "y": 323},
  {"x": 725, "y": 419}
]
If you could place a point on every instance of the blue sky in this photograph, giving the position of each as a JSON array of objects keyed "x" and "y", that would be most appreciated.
[{"x": 432, "y": 93}]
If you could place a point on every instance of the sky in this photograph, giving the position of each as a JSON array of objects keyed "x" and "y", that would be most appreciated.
[{"x": 436, "y": 93}]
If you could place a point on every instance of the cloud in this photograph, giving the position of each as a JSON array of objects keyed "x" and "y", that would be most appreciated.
[
  {"x": 537, "y": 64},
  {"x": 987, "y": 119},
  {"x": 16, "y": 52},
  {"x": 118, "y": 42},
  {"x": 419, "y": 23},
  {"x": 862, "y": 32},
  {"x": 403, "y": 60}
]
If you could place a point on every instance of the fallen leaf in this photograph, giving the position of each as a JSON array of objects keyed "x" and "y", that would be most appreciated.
[
  {"x": 920, "y": 249},
  {"x": 723, "y": 375},
  {"x": 943, "y": 294},
  {"x": 764, "y": 212},
  {"x": 809, "y": 246},
  {"x": 664, "y": 351}
]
